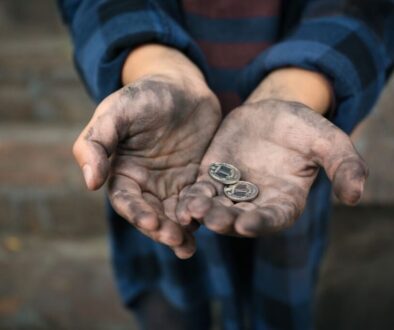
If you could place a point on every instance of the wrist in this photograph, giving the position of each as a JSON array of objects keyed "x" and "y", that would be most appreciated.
[
  {"x": 297, "y": 85},
  {"x": 156, "y": 59}
]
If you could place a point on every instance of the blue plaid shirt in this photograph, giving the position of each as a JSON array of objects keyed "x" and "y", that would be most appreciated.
[{"x": 267, "y": 281}]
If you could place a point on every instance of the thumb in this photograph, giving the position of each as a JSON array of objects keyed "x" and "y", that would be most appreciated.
[
  {"x": 96, "y": 143},
  {"x": 349, "y": 179},
  {"x": 345, "y": 168}
]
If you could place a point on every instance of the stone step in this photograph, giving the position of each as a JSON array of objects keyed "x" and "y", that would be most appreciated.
[
  {"x": 38, "y": 82},
  {"x": 50, "y": 284},
  {"x": 57, "y": 283},
  {"x": 39, "y": 86},
  {"x": 355, "y": 289},
  {"x": 38, "y": 17},
  {"x": 41, "y": 188},
  {"x": 374, "y": 139}
]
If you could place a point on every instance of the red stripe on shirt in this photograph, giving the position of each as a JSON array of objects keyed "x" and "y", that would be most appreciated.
[
  {"x": 228, "y": 101},
  {"x": 232, "y": 8},
  {"x": 231, "y": 55}
]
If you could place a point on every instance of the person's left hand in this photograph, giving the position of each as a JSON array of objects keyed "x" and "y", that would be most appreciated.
[{"x": 279, "y": 146}]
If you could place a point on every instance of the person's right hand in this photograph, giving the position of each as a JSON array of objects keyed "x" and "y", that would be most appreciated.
[{"x": 148, "y": 138}]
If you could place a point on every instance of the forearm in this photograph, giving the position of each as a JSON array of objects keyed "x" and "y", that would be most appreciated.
[{"x": 298, "y": 85}]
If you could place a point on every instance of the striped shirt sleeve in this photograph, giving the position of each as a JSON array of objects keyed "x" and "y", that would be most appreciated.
[
  {"x": 352, "y": 52},
  {"x": 105, "y": 31}
]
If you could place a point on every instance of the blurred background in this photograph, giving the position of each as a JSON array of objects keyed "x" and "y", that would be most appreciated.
[{"x": 54, "y": 267}]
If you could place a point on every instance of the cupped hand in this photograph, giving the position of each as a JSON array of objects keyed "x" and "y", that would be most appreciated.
[
  {"x": 279, "y": 146},
  {"x": 148, "y": 139}
]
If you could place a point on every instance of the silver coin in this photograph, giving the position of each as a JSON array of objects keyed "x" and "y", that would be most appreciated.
[
  {"x": 224, "y": 173},
  {"x": 242, "y": 191}
]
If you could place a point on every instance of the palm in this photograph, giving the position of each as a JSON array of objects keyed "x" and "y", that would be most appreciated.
[
  {"x": 163, "y": 147},
  {"x": 156, "y": 131},
  {"x": 279, "y": 146}
]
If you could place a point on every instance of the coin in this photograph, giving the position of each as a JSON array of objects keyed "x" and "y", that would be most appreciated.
[
  {"x": 224, "y": 173},
  {"x": 242, "y": 191}
]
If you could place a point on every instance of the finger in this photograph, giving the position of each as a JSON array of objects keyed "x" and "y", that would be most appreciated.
[
  {"x": 97, "y": 142},
  {"x": 169, "y": 205},
  {"x": 344, "y": 166},
  {"x": 221, "y": 218},
  {"x": 266, "y": 219},
  {"x": 245, "y": 206},
  {"x": 127, "y": 199},
  {"x": 187, "y": 248},
  {"x": 172, "y": 235},
  {"x": 169, "y": 232},
  {"x": 349, "y": 180},
  {"x": 194, "y": 202},
  {"x": 276, "y": 208}
]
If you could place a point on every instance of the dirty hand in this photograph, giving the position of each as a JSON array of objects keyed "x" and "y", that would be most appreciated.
[
  {"x": 148, "y": 139},
  {"x": 279, "y": 145}
]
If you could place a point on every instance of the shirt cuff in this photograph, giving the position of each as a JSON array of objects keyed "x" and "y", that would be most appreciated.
[
  {"x": 344, "y": 50},
  {"x": 115, "y": 30}
]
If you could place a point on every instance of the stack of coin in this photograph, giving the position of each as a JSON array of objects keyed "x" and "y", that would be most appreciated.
[{"x": 234, "y": 189}]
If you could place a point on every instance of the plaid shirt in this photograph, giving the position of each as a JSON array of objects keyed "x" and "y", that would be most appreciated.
[{"x": 266, "y": 282}]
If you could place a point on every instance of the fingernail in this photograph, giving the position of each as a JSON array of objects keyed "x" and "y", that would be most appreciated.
[{"x": 88, "y": 175}]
